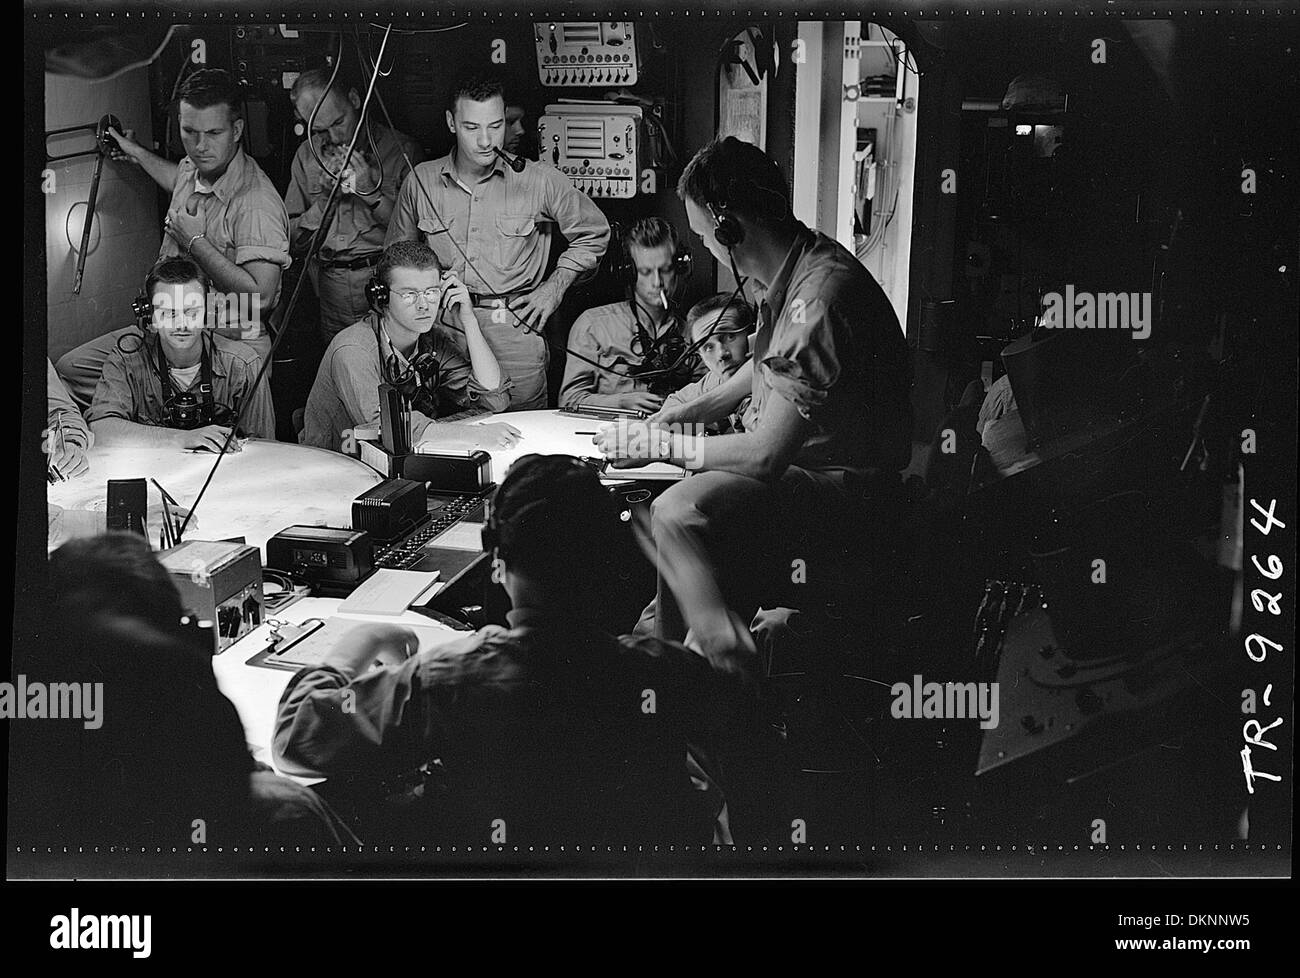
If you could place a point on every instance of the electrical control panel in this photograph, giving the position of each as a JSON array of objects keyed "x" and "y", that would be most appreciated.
[
  {"x": 586, "y": 53},
  {"x": 595, "y": 146},
  {"x": 219, "y": 582}
]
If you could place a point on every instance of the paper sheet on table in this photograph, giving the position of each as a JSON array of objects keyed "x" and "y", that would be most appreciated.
[{"x": 388, "y": 592}]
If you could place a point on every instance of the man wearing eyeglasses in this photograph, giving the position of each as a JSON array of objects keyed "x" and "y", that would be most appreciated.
[{"x": 406, "y": 341}]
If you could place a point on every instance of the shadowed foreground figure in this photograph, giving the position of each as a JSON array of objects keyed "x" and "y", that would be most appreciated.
[
  {"x": 170, "y": 747},
  {"x": 548, "y": 732}
]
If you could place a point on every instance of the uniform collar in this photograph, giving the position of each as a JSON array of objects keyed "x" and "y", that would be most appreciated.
[
  {"x": 228, "y": 184},
  {"x": 774, "y": 298},
  {"x": 447, "y": 167}
]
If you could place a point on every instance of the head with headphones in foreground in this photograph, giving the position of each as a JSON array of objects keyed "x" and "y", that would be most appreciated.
[
  {"x": 550, "y": 525},
  {"x": 736, "y": 200}
]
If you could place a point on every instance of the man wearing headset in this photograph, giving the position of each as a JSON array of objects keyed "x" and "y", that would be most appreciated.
[
  {"x": 355, "y": 239},
  {"x": 543, "y": 727},
  {"x": 225, "y": 215},
  {"x": 401, "y": 343},
  {"x": 829, "y": 424},
  {"x": 622, "y": 336},
  {"x": 181, "y": 385},
  {"x": 492, "y": 227}
]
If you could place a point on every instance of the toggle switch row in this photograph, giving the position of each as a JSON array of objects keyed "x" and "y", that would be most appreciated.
[
  {"x": 605, "y": 188},
  {"x": 589, "y": 76}
]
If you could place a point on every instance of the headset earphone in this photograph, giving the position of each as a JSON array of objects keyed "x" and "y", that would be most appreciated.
[
  {"x": 142, "y": 309},
  {"x": 726, "y": 229},
  {"x": 377, "y": 293}
]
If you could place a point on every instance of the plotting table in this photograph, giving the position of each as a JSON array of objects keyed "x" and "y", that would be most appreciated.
[{"x": 255, "y": 494}]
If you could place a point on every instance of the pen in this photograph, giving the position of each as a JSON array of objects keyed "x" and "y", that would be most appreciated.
[{"x": 165, "y": 494}]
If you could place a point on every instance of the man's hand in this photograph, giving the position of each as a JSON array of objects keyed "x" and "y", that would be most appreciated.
[
  {"x": 367, "y": 644},
  {"x": 469, "y": 437},
  {"x": 636, "y": 441},
  {"x": 455, "y": 296},
  {"x": 496, "y": 435},
  {"x": 538, "y": 305},
  {"x": 129, "y": 150},
  {"x": 209, "y": 438},
  {"x": 640, "y": 401},
  {"x": 673, "y": 414},
  {"x": 187, "y": 220},
  {"x": 70, "y": 463}
]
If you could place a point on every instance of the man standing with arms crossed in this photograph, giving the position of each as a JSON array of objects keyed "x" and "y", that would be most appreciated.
[{"x": 484, "y": 222}]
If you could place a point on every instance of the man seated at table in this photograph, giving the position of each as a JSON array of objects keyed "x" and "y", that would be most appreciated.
[
  {"x": 609, "y": 343},
  {"x": 66, "y": 438},
  {"x": 721, "y": 325},
  {"x": 180, "y": 385},
  {"x": 405, "y": 342},
  {"x": 551, "y": 730},
  {"x": 829, "y": 425},
  {"x": 163, "y": 746}
]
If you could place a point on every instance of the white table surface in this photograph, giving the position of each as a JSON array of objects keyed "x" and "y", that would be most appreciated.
[
  {"x": 255, "y": 494},
  {"x": 256, "y": 691}
]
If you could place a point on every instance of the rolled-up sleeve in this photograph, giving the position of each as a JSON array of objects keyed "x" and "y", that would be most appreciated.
[
  {"x": 456, "y": 381},
  {"x": 404, "y": 222},
  {"x": 259, "y": 228},
  {"x": 579, "y": 220},
  {"x": 802, "y": 365}
]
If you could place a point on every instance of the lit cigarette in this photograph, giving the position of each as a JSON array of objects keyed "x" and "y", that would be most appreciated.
[{"x": 663, "y": 298}]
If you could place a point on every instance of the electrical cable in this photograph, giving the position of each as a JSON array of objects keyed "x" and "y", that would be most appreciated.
[
  {"x": 317, "y": 239},
  {"x": 469, "y": 264},
  {"x": 138, "y": 64}
]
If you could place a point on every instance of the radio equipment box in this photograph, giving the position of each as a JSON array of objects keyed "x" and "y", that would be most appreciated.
[
  {"x": 322, "y": 554},
  {"x": 390, "y": 509},
  {"x": 220, "y": 583},
  {"x": 586, "y": 53},
  {"x": 454, "y": 472},
  {"x": 595, "y": 146}
]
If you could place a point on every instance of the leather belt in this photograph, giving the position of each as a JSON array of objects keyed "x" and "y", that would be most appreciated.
[
  {"x": 351, "y": 264},
  {"x": 485, "y": 301}
]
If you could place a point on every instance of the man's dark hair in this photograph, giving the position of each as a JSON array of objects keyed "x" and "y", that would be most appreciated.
[
  {"x": 650, "y": 232},
  {"x": 405, "y": 254},
  {"x": 114, "y": 575},
  {"x": 173, "y": 271},
  {"x": 740, "y": 315},
  {"x": 553, "y": 517},
  {"x": 213, "y": 86},
  {"x": 733, "y": 175},
  {"x": 478, "y": 88}
]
